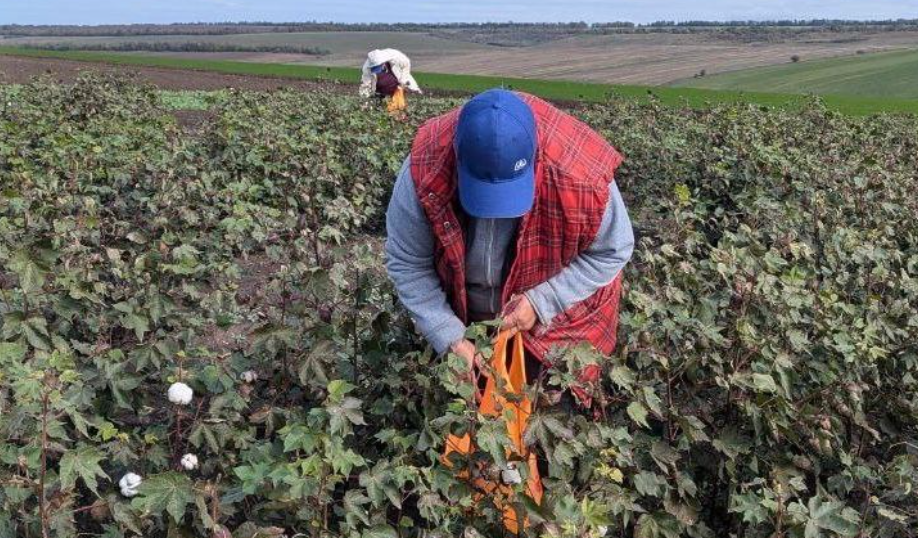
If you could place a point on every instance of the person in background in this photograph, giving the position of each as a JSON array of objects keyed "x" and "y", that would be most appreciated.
[
  {"x": 507, "y": 207},
  {"x": 387, "y": 74}
]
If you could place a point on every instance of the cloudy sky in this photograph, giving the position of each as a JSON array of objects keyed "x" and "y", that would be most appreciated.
[{"x": 127, "y": 11}]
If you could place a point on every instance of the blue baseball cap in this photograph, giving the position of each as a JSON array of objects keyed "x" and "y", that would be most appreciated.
[{"x": 495, "y": 151}]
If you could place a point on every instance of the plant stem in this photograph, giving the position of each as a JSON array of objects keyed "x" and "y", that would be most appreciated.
[
  {"x": 283, "y": 319},
  {"x": 42, "y": 505},
  {"x": 356, "y": 357}
]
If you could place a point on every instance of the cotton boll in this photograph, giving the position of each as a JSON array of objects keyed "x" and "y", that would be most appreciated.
[
  {"x": 189, "y": 462},
  {"x": 180, "y": 393},
  {"x": 129, "y": 484},
  {"x": 249, "y": 376},
  {"x": 511, "y": 475},
  {"x": 130, "y": 480}
]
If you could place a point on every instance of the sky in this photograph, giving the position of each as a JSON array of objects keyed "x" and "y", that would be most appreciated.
[{"x": 164, "y": 11}]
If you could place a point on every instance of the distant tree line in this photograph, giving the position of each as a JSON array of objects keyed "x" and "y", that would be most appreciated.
[
  {"x": 739, "y": 28},
  {"x": 511, "y": 34},
  {"x": 227, "y": 28},
  {"x": 257, "y": 27},
  {"x": 788, "y": 23},
  {"x": 164, "y": 46}
]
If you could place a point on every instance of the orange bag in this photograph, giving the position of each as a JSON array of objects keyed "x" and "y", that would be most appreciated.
[
  {"x": 397, "y": 102},
  {"x": 493, "y": 404}
]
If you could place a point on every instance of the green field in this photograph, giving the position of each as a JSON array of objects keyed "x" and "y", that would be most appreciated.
[
  {"x": 885, "y": 75},
  {"x": 340, "y": 43},
  {"x": 550, "y": 89}
]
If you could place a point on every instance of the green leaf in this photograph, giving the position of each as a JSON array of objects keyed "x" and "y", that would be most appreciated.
[
  {"x": 344, "y": 461},
  {"x": 492, "y": 439},
  {"x": 622, "y": 376},
  {"x": 750, "y": 506},
  {"x": 653, "y": 401},
  {"x": 343, "y": 414},
  {"x": 561, "y": 430},
  {"x": 139, "y": 324},
  {"x": 337, "y": 388},
  {"x": 353, "y": 503},
  {"x": 380, "y": 487},
  {"x": 312, "y": 371},
  {"x": 638, "y": 413},
  {"x": 170, "y": 491},
  {"x": 764, "y": 383},
  {"x": 83, "y": 463},
  {"x": 683, "y": 193},
  {"x": 35, "y": 330},
  {"x": 253, "y": 476},
  {"x": 664, "y": 455},
  {"x": 732, "y": 443},
  {"x": 831, "y": 516},
  {"x": 298, "y": 437},
  {"x": 12, "y": 353},
  {"x": 31, "y": 275},
  {"x": 657, "y": 525},
  {"x": 7, "y": 528},
  {"x": 684, "y": 512},
  {"x": 380, "y": 531},
  {"x": 647, "y": 483},
  {"x": 693, "y": 428},
  {"x": 892, "y": 516},
  {"x": 595, "y": 514},
  {"x": 563, "y": 455}
]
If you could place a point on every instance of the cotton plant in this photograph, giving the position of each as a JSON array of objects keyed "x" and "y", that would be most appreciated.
[
  {"x": 130, "y": 484},
  {"x": 180, "y": 394},
  {"x": 189, "y": 462}
]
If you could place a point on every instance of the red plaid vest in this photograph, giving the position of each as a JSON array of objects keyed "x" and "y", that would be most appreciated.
[{"x": 574, "y": 166}]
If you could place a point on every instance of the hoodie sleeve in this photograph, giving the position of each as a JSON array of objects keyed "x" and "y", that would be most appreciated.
[
  {"x": 367, "y": 81},
  {"x": 401, "y": 68},
  {"x": 410, "y": 84},
  {"x": 410, "y": 263},
  {"x": 594, "y": 268}
]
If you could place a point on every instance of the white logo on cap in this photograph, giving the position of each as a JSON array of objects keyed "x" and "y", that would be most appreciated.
[{"x": 520, "y": 164}]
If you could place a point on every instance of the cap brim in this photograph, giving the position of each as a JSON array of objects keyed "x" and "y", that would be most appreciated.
[{"x": 507, "y": 199}]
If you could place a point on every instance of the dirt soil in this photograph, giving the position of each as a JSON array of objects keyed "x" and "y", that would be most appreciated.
[
  {"x": 654, "y": 58},
  {"x": 193, "y": 121},
  {"x": 20, "y": 70}
]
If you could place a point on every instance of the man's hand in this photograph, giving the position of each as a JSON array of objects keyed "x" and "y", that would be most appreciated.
[
  {"x": 466, "y": 349},
  {"x": 519, "y": 315}
]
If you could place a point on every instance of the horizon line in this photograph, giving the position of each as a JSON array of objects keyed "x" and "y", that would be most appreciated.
[{"x": 660, "y": 22}]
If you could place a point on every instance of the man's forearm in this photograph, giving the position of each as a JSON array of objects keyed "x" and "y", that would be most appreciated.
[{"x": 420, "y": 292}]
